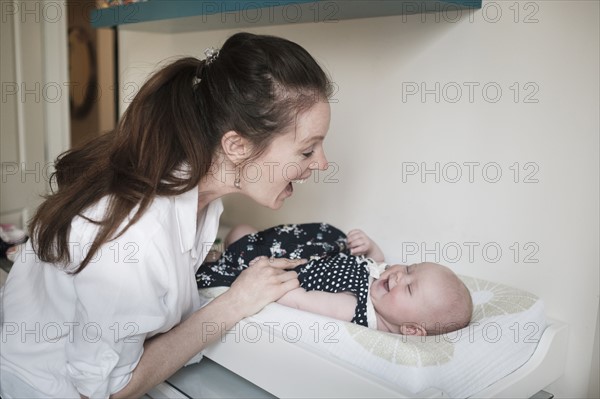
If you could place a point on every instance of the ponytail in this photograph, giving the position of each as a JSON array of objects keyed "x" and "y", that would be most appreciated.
[{"x": 134, "y": 163}]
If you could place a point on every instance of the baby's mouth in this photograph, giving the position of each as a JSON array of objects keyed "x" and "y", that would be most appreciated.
[{"x": 386, "y": 284}]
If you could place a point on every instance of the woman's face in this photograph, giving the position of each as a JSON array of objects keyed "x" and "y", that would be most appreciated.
[{"x": 290, "y": 158}]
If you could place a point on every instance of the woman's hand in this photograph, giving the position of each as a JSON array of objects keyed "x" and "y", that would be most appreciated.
[
  {"x": 264, "y": 281},
  {"x": 360, "y": 244}
]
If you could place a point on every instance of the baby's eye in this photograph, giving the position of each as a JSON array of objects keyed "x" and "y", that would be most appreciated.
[
  {"x": 409, "y": 290},
  {"x": 308, "y": 154}
]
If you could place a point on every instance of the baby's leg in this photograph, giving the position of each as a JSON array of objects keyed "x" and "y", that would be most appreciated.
[{"x": 238, "y": 232}]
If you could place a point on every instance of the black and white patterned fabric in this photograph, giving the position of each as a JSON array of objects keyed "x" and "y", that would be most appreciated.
[{"x": 330, "y": 266}]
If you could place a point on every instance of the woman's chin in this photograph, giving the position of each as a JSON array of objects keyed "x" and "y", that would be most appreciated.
[
  {"x": 286, "y": 193},
  {"x": 277, "y": 204}
]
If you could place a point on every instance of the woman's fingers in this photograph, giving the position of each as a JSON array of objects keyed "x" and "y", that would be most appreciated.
[
  {"x": 289, "y": 285},
  {"x": 265, "y": 281},
  {"x": 257, "y": 259},
  {"x": 285, "y": 263},
  {"x": 278, "y": 263},
  {"x": 289, "y": 275}
]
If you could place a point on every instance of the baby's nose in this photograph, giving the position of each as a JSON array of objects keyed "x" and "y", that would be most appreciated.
[{"x": 393, "y": 280}]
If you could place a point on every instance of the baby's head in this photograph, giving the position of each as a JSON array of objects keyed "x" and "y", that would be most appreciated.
[{"x": 421, "y": 299}]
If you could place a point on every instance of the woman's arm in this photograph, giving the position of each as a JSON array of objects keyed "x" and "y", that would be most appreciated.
[
  {"x": 340, "y": 305},
  {"x": 263, "y": 282}
]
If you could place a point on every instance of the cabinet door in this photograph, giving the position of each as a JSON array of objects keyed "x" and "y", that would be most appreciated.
[{"x": 34, "y": 126}]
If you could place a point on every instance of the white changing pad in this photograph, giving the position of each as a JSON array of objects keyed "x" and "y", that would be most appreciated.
[{"x": 506, "y": 326}]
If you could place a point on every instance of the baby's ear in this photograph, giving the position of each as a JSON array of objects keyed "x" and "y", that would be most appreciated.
[{"x": 412, "y": 329}]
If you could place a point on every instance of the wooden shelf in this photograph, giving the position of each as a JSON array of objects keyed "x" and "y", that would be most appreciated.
[{"x": 196, "y": 15}]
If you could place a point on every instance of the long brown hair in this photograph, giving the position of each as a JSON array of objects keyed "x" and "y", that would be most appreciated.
[{"x": 255, "y": 86}]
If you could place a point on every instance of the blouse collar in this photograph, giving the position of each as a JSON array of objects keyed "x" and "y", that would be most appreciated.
[{"x": 189, "y": 221}]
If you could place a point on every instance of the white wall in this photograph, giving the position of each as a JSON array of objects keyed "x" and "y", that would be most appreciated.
[
  {"x": 594, "y": 389},
  {"x": 375, "y": 135}
]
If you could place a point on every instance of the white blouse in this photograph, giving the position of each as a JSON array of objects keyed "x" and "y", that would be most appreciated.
[{"x": 68, "y": 334}]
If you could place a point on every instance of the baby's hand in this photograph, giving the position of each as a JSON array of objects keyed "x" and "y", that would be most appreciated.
[{"x": 360, "y": 244}]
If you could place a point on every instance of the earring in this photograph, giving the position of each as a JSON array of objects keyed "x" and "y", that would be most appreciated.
[{"x": 236, "y": 182}]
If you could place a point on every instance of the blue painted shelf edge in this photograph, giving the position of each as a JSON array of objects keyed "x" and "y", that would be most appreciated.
[{"x": 166, "y": 10}]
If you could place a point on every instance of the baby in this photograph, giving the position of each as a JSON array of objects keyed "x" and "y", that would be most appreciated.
[{"x": 345, "y": 279}]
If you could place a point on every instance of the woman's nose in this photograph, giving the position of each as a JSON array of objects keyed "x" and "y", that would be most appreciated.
[{"x": 321, "y": 163}]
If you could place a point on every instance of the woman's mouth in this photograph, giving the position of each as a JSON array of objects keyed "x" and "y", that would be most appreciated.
[{"x": 289, "y": 189}]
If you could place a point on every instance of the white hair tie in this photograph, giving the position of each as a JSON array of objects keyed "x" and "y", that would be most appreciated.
[{"x": 211, "y": 54}]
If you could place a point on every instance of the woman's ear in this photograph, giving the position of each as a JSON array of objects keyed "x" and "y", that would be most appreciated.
[
  {"x": 412, "y": 329},
  {"x": 235, "y": 147}
]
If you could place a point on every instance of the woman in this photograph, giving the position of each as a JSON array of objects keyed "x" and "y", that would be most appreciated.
[{"x": 102, "y": 301}]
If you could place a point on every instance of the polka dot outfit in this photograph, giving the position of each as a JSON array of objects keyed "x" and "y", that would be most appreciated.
[
  {"x": 339, "y": 273},
  {"x": 330, "y": 268}
]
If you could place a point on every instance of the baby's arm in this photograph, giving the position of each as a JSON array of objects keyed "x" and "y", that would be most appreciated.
[
  {"x": 340, "y": 305},
  {"x": 360, "y": 244}
]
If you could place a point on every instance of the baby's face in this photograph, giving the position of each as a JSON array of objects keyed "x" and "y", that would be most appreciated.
[{"x": 413, "y": 294}]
